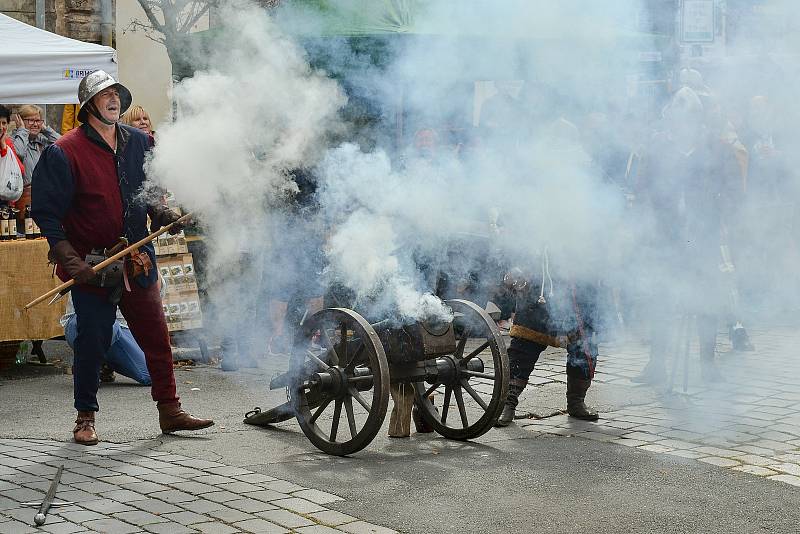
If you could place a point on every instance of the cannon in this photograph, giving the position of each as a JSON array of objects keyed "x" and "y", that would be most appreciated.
[{"x": 343, "y": 363}]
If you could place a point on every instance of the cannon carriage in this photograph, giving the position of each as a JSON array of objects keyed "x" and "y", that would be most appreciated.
[{"x": 341, "y": 368}]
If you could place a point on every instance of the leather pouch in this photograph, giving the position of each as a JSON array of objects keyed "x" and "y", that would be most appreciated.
[
  {"x": 138, "y": 263},
  {"x": 110, "y": 276}
]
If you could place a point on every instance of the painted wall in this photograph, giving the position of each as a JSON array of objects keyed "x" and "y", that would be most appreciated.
[{"x": 144, "y": 67}]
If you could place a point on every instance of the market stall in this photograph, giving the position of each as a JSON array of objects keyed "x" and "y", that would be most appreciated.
[
  {"x": 45, "y": 68},
  {"x": 24, "y": 275}
]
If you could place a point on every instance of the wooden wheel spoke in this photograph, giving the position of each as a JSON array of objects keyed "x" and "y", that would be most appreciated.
[
  {"x": 477, "y": 351},
  {"x": 351, "y": 418},
  {"x": 322, "y": 365},
  {"x": 430, "y": 390},
  {"x": 342, "y": 353},
  {"x": 319, "y": 410},
  {"x": 474, "y": 394},
  {"x": 446, "y": 404},
  {"x": 476, "y": 374},
  {"x": 354, "y": 358},
  {"x": 357, "y": 396},
  {"x": 331, "y": 346},
  {"x": 337, "y": 413},
  {"x": 461, "y": 409},
  {"x": 461, "y": 344}
]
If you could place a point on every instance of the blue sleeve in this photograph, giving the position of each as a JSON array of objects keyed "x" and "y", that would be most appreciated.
[{"x": 52, "y": 189}]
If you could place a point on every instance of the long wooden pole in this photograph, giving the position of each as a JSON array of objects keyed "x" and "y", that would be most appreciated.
[{"x": 108, "y": 261}]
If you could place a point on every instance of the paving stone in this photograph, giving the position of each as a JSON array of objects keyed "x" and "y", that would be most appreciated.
[
  {"x": 139, "y": 517},
  {"x": 221, "y": 496},
  {"x": 718, "y": 460},
  {"x": 789, "y": 469},
  {"x": 753, "y": 459},
  {"x": 111, "y": 526},
  {"x": 185, "y": 517},
  {"x": 200, "y": 464},
  {"x": 362, "y": 527},
  {"x": 155, "y": 506},
  {"x": 119, "y": 479},
  {"x": 173, "y": 496},
  {"x": 653, "y": 447},
  {"x": 332, "y": 517},
  {"x": 629, "y": 442},
  {"x": 285, "y": 518},
  {"x": 714, "y": 451},
  {"x": 133, "y": 470},
  {"x": 170, "y": 528},
  {"x": 80, "y": 516},
  {"x": 250, "y": 506},
  {"x": 266, "y": 495},
  {"x": 686, "y": 454},
  {"x": 215, "y": 528},
  {"x": 145, "y": 487},
  {"x": 317, "y": 496},
  {"x": 788, "y": 479},
  {"x": 6, "y": 503},
  {"x": 64, "y": 527},
  {"x": 227, "y": 471},
  {"x": 195, "y": 488},
  {"x": 106, "y": 506},
  {"x": 259, "y": 525},
  {"x": 301, "y": 506},
  {"x": 15, "y": 527},
  {"x": 161, "y": 478},
  {"x": 201, "y": 506},
  {"x": 214, "y": 479},
  {"x": 239, "y": 487},
  {"x": 255, "y": 478},
  {"x": 229, "y": 515},
  {"x": 283, "y": 486},
  {"x": 754, "y": 470},
  {"x": 123, "y": 495},
  {"x": 321, "y": 529},
  {"x": 23, "y": 494}
]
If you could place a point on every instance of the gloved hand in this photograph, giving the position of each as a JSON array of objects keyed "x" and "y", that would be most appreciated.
[
  {"x": 65, "y": 255},
  {"x": 162, "y": 216}
]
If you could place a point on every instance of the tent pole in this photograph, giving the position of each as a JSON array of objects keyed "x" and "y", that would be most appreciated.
[{"x": 40, "y": 14}]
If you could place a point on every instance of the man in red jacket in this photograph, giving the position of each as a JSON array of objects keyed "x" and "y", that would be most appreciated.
[{"x": 87, "y": 193}]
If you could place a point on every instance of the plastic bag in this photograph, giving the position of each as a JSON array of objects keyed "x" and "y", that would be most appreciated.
[{"x": 11, "y": 182}]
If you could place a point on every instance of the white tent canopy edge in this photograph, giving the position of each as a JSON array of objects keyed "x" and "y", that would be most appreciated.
[{"x": 37, "y": 66}]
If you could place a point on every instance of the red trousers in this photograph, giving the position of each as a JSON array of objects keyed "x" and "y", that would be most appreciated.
[{"x": 95, "y": 317}]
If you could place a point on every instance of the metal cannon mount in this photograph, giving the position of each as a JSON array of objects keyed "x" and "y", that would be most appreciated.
[{"x": 341, "y": 362}]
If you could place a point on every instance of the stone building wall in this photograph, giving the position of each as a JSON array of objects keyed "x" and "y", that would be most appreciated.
[{"x": 78, "y": 19}]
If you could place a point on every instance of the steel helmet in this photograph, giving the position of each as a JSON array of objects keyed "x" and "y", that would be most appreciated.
[{"x": 93, "y": 83}]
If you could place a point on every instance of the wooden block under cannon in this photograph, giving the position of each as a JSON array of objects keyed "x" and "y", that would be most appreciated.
[{"x": 400, "y": 418}]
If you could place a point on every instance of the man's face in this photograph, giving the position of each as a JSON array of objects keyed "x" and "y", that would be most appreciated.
[
  {"x": 33, "y": 123},
  {"x": 107, "y": 103}
]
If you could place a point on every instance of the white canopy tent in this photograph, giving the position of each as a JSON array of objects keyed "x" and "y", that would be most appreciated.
[{"x": 40, "y": 67}]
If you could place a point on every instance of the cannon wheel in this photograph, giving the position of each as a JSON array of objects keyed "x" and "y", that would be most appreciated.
[
  {"x": 479, "y": 391},
  {"x": 341, "y": 366}
]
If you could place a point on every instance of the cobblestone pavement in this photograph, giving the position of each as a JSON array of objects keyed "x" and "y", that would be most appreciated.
[
  {"x": 132, "y": 488},
  {"x": 749, "y": 423}
]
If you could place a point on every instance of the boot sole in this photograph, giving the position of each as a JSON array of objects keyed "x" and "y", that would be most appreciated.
[
  {"x": 87, "y": 443},
  {"x": 187, "y": 429}
]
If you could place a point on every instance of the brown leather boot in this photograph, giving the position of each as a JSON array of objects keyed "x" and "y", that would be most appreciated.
[
  {"x": 576, "y": 393},
  {"x": 84, "y": 433},
  {"x": 172, "y": 418}
]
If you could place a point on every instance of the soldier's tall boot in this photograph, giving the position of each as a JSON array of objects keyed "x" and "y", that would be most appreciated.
[
  {"x": 515, "y": 388},
  {"x": 576, "y": 393}
]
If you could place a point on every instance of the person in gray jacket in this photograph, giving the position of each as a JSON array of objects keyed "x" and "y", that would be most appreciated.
[{"x": 31, "y": 137}]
